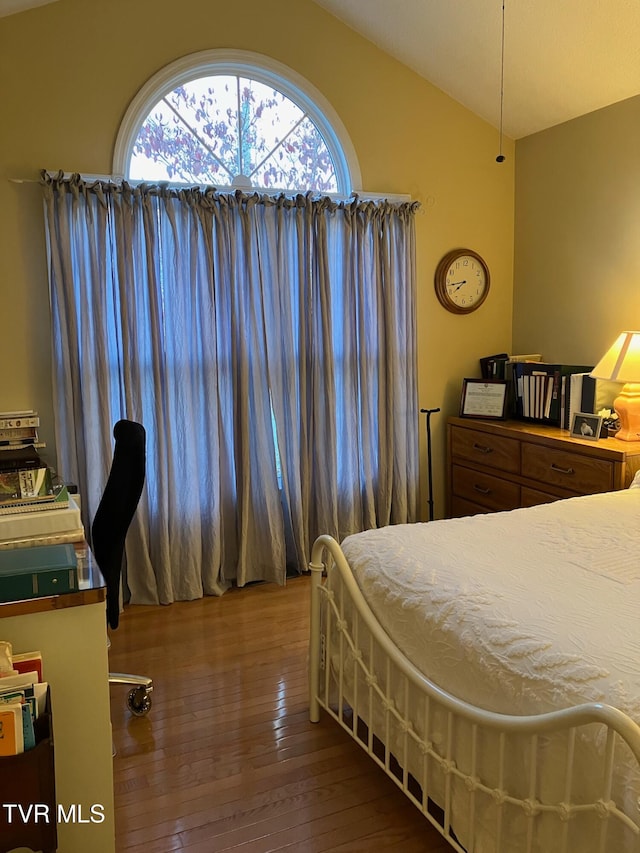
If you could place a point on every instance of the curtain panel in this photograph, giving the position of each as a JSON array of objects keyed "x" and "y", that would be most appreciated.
[{"x": 267, "y": 344}]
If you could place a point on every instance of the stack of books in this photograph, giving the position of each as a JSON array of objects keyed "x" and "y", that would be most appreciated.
[
  {"x": 23, "y": 475},
  {"x": 22, "y": 699},
  {"x": 32, "y": 510},
  {"x": 19, "y": 429}
]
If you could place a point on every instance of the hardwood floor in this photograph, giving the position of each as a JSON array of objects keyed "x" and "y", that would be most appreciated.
[{"x": 227, "y": 759}]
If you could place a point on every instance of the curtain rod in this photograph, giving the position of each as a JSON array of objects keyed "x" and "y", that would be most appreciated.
[{"x": 361, "y": 194}]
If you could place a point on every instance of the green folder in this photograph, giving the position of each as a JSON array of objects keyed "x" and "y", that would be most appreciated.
[{"x": 37, "y": 572}]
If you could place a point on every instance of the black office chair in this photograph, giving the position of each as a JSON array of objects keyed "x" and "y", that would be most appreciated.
[{"x": 108, "y": 532}]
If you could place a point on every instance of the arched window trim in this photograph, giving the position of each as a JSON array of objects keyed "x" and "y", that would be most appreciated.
[{"x": 258, "y": 67}]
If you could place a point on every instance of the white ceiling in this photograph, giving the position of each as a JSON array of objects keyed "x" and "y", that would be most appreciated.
[{"x": 563, "y": 58}]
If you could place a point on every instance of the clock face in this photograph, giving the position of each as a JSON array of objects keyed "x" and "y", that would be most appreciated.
[{"x": 462, "y": 281}]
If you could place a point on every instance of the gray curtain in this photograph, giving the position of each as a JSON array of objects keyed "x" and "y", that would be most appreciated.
[{"x": 266, "y": 343}]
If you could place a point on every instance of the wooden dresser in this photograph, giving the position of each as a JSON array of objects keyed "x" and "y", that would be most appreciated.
[{"x": 501, "y": 465}]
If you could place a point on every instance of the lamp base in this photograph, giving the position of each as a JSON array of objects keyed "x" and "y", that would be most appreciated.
[{"x": 627, "y": 406}]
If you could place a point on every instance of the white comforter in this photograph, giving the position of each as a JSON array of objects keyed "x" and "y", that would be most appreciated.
[{"x": 540, "y": 606}]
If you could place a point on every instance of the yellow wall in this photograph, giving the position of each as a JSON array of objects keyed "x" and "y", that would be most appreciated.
[
  {"x": 577, "y": 246},
  {"x": 75, "y": 65}
]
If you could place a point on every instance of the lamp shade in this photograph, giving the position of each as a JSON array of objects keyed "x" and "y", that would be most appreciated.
[{"x": 621, "y": 362}]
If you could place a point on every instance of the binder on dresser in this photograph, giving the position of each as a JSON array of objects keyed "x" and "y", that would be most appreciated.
[
  {"x": 586, "y": 394},
  {"x": 537, "y": 391},
  {"x": 493, "y": 366},
  {"x": 543, "y": 391}
]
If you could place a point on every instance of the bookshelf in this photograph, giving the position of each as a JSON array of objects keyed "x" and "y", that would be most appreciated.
[{"x": 27, "y": 779}]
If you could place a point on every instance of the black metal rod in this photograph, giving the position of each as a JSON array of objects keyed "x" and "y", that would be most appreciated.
[{"x": 428, "y": 413}]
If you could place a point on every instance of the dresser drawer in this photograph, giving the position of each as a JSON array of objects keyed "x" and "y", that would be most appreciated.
[
  {"x": 534, "y": 497},
  {"x": 484, "y": 489},
  {"x": 460, "y": 508},
  {"x": 580, "y": 474},
  {"x": 485, "y": 449},
  {"x": 503, "y": 465}
]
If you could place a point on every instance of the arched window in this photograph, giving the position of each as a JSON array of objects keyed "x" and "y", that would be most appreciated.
[{"x": 234, "y": 119}]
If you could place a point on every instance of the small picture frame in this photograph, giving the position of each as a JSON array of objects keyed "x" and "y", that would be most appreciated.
[
  {"x": 484, "y": 398},
  {"x": 586, "y": 426}
]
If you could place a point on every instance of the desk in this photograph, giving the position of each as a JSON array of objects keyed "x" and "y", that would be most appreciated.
[{"x": 70, "y": 631}]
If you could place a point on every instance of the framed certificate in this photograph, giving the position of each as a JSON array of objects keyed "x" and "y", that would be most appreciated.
[{"x": 484, "y": 398}]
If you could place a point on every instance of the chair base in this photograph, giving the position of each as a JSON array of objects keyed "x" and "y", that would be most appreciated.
[{"x": 138, "y": 699}]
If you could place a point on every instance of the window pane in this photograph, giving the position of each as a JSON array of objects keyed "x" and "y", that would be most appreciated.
[
  {"x": 302, "y": 161},
  {"x": 188, "y": 136},
  {"x": 223, "y": 128}
]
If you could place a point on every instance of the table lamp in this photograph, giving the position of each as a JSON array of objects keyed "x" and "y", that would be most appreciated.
[{"x": 621, "y": 363}]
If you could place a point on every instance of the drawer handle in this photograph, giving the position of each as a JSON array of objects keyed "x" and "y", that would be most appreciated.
[
  {"x": 560, "y": 470},
  {"x": 482, "y": 490},
  {"x": 481, "y": 448}
]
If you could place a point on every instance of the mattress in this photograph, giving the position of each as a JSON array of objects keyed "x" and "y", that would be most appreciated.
[
  {"x": 519, "y": 612},
  {"x": 540, "y": 605}
]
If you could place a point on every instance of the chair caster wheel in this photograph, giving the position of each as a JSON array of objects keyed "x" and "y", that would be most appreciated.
[{"x": 139, "y": 701}]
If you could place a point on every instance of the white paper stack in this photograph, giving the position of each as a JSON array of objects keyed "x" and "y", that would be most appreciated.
[{"x": 43, "y": 527}]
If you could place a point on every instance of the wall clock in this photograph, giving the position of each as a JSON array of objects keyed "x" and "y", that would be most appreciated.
[{"x": 462, "y": 281}]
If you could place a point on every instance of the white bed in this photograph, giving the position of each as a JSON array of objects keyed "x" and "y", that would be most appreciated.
[{"x": 435, "y": 644}]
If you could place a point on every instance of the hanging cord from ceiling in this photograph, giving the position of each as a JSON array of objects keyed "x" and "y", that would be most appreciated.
[{"x": 501, "y": 158}]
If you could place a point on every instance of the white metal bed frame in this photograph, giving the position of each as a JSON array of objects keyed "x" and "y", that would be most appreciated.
[{"x": 357, "y": 674}]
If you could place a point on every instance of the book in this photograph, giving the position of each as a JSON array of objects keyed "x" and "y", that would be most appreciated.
[
  {"x": 28, "y": 662},
  {"x": 6, "y": 658},
  {"x": 25, "y": 483},
  {"x": 535, "y": 388},
  {"x": 27, "y": 693},
  {"x": 18, "y": 435},
  {"x": 37, "y": 503},
  {"x": 18, "y": 682},
  {"x": 536, "y": 356},
  {"x": 28, "y": 731},
  {"x": 40, "y": 695},
  {"x": 11, "y": 737},
  {"x": 12, "y": 697},
  {"x": 10, "y": 420},
  {"x": 597, "y": 394},
  {"x": 68, "y": 536},
  {"x": 19, "y": 458}
]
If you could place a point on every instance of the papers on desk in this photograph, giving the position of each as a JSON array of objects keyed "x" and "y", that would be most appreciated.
[{"x": 54, "y": 525}]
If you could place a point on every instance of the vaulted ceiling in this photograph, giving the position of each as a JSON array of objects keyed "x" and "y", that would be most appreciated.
[{"x": 562, "y": 58}]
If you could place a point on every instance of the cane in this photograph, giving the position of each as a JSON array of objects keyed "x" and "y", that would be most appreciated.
[{"x": 428, "y": 413}]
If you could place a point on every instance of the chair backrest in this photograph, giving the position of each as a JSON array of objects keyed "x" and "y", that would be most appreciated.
[{"x": 117, "y": 507}]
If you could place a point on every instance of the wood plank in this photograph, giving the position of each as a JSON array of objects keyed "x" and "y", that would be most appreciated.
[{"x": 227, "y": 759}]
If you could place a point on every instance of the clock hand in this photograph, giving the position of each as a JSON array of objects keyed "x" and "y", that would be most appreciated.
[{"x": 457, "y": 284}]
